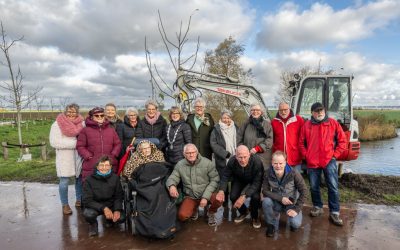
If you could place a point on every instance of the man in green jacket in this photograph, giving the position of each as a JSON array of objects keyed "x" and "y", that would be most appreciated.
[{"x": 200, "y": 180}]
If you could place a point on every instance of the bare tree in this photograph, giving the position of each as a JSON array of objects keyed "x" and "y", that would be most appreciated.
[
  {"x": 63, "y": 101},
  {"x": 17, "y": 97},
  {"x": 175, "y": 53},
  {"x": 52, "y": 104},
  {"x": 38, "y": 100}
]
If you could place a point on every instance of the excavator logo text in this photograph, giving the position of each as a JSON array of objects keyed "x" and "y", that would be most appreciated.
[{"x": 229, "y": 92}]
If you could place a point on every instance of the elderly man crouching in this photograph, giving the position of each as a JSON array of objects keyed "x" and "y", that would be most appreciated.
[
  {"x": 246, "y": 172},
  {"x": 280, "y": 187},
  {"x": 200, "y": 180}
]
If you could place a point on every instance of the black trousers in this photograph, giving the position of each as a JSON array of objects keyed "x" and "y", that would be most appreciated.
[
  {"x": 255, "y": 199},
  {"x": 91, "y": 214}
]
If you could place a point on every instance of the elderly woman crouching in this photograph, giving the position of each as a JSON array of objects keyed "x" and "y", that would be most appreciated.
[
  {"x": 256, "y": 133},
  {"x": 103, "y": 194}
]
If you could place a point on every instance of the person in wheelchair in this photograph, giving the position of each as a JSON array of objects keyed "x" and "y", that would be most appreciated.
[
  {"x": 146, "y": 152},
  {"x": 103, "y": 194}
]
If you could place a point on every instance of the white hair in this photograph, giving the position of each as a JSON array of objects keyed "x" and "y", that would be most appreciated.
[
  {"x": 131, "y": 110},
  {"x": 199, "y": 100},
  {"x": 189, "y": 145},
  {"x": 259, "y": 105},
  {"x": 151, "y": 102}
]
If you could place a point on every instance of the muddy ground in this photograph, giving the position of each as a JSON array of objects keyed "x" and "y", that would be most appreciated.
[
  {"x": 31, "y": 218},
  {"x": 376, "y": 189}
]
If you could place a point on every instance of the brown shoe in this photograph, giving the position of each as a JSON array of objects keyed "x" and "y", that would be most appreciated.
[
  {"x": 66, "y": 210},
  {"x": 78, "y": 204}
]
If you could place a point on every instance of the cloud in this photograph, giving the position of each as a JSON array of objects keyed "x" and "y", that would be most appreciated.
[
  {"x": 292, "y": 28},
  {"x": 101, "y": 28}
]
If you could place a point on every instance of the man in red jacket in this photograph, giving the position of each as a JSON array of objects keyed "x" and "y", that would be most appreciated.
[
  {"x": 287, "y": 127},
  {"x": 322, "y": 140}
]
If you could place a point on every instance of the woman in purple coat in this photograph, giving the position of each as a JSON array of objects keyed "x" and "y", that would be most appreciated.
[{"x": 97, "y": 139}]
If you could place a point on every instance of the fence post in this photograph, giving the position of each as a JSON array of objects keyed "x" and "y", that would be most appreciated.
[
  {"x": 44, "y": 154},
  {"x": 5, "y": 150}
]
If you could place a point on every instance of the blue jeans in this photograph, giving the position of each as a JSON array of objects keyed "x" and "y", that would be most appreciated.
[
  {"x": 331, "y": 179},
  {"x": 272, "y": 212},
  {"x": 63, "y": 189}
]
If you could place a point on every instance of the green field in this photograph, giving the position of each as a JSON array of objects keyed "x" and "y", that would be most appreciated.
[{"x": 35, "y": 170}]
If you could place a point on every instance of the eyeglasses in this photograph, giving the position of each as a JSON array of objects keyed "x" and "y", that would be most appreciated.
[
  {"x": 283, "y": 110},
  {"x": 318, "y": 110},
  {"x": 132, "y": 115},
  {"x": 198, "y": 107},
  {"x": 190, "y": 153},
  {"x": 254, "y": 110},
  {"x": 104, "y": 165},
  {"x": 98, "y": 116},
  {"x": 177, "y": 113}
]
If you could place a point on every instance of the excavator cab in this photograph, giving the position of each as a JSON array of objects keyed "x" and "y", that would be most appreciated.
[{"x": 334, "y": 92}]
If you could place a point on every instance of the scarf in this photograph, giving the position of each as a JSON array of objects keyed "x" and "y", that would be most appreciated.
[
  {"x": 69, "y": 128},
  {"x": 257, "y": 123},
  {"x": 103, "y": 175},
  {"x": 203, "y": 119},
  {"x": 153, "y": 120},
  {"x": 113, "y": 119},
  {"x": 137, "y": 159},
  {"x": 229, "y": 134}
]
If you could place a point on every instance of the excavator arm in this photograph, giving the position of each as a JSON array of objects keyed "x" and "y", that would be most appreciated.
[{"x": 189, "y": 82}]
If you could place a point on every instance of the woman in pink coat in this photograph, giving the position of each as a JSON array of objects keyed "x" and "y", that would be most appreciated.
[{"x": 97, "y": 139}]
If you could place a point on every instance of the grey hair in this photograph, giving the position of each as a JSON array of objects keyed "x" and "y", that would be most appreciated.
[
  {"x": 72, "y": 106},
  {"x": 282, "y": 103},
  {"x": 131, "y": 109},
  {"x": 189, "y": 145},
  {"x": 227, "y": 112},
  {"x": 151, "y": 102},
  {"x": 257, "y": 104},
  {"x": 201, "y": 100},
  {"x": 241, "y": 147},
  {"x": 278, "y": 153}
]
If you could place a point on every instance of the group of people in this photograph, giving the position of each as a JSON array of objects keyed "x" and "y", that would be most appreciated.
[{"x": 261, "y": 160}]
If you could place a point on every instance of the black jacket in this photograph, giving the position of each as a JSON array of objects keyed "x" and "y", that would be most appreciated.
[
  {"x": 218, "y": 146},
  {"x": 157, "y": 130},
  {"x": 291, "y": 182},
  {"x": 252, "y": 175},
  {"x": 183, "y": 136},
  {"x": 100, "y": 192},
  {"x": 201, "y": 137},
  {"x": 125, "y": 133}
]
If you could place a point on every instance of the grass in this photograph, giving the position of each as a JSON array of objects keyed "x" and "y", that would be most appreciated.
[{"x": 35, "y": 170}]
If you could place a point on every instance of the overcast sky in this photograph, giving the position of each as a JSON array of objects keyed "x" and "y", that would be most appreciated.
[{"x": 92, "y": 51}]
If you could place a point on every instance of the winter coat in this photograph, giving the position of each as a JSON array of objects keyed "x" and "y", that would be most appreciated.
[
  {"x": 125, "y": 133},
  {"x": 201, "y": 137},
  {"x": 103, "y": 191},
  {"x": 320, "y": 142},
  {"x": 252, "y": 175},
  {"x": 67, "y": 158},
  {"x": 94, "y": 141},
  {"x": 247, "y": 135},
  {"x": 184, "y": 136},
  {"x": 286, "y": 137},
  {"x": 218, "y": 146},
  {"x": 288, "y": 186},
  {"x": 199, "y": 180},
  {"x": 157, "y": 130}
]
